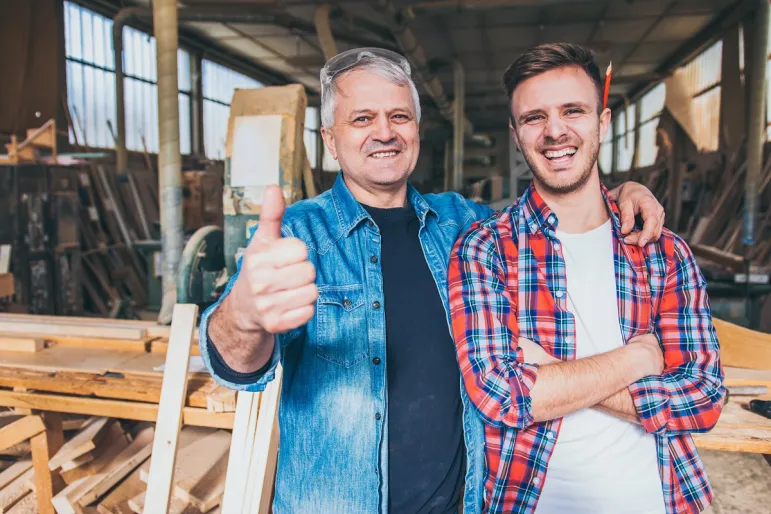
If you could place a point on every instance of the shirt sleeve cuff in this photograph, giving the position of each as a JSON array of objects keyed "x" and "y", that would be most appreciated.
[
  {"x": 651, "y": 400},
  {"x": 226, "y": 376},
  {"x": 522, "y": 378}
]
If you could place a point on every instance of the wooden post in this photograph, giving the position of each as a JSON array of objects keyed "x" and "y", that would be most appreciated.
[
  {"x": 169, "y": 421},
  {"x": 43, "y": 446}
]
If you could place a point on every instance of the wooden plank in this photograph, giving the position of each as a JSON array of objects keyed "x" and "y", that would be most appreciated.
[
  {"x": 114, "y": 467},
  {"x": 70, "y": 330},
  {"x": 43, "y": 446},
  {"x": 88, "y": 360},
  {"x": 21, "y": 344},
  {"x": 7, "y": 286},
  {"x": 262, "y": 468},
  {"x": 5, "y": 258},
  {"x": 80, "y": 461},
  {"x": 204, "y": 492},
  {"x": 743, "y": 348},
  {"x": 241, "y": 448},
  {"x": 113, "y": 408},
  {"x": 142, "y": 388},
  {"x": 116, "y": 502},
  {"x": 20, "y": 430},
  {"x": 82, "y": 443},
  {"x": 171, "y": 405},
  {"x": 161, "y": 345},
  {"x": 15, "y": 471},
  {"x": 746, "y": 377},
  {"x": 111, "y": 444},
  {"x": 15, "y": 491},
  {"x": 79, "y": 320},
  {"x": 196, "y": 458},
  {"x": 737, "y": 430}
]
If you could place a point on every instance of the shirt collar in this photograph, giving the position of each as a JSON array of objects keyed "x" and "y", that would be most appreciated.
[
  {"x": 539, "y": 216},
  {"x": 350, "y": 212}
]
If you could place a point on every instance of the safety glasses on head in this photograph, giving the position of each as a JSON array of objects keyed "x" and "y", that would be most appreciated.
[{"x": 348, "y": 59}]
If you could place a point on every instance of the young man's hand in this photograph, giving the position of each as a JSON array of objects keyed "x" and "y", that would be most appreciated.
[
  {"x": 633, "y": 198},
  {"x": 533, "y": 353},
  {"x": 651, "y": 356}
]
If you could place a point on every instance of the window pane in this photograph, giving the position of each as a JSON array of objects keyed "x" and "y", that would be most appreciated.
[
  {"x": 648, "y": 150},
  {"x": 183, "y": 67},
  {"x": 329, "y": 163},
  {"x": 652, "y": 103},
  {"x": 706, "y": 109},
  {"x": 606, "y": 157},
  {"x": 184, "y": 124}
]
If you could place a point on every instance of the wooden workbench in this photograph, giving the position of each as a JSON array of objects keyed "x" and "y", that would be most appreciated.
[
  {"x": 116, "y": 377},
  {"x": 738, "y": 429}
]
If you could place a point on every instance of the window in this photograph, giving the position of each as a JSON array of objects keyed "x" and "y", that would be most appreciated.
[
  {"x": 312, "y": 135},
  {"x": 91, "y": 83},
  {"x": 141, "y": 90},
  {"x": 90, "y": 76},
  {"x": 651, "y": 106},
  {"x": 624, "y": 137},
  {"x": 219, "y": 84},
  {"x": 606, "y": 152},
  {"x": 701, "y": 79}
]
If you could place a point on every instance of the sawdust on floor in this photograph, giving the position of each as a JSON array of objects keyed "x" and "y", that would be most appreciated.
[{"x": 741, "y": 481}]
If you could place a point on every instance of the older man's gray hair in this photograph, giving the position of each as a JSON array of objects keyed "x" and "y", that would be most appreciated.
[{"x": 365, "y": 60}]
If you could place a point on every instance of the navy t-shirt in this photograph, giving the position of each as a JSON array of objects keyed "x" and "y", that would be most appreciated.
[{"x": 426, "y": 450}]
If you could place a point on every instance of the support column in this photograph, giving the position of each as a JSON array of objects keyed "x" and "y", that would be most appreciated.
[
  {"x": 756, "y": 130},
  {"x": 458, "y": 121},
  {"x": 169, "y": 160}
]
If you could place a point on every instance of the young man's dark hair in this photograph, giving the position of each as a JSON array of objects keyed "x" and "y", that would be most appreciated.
[{"x": 543, "y": 58}]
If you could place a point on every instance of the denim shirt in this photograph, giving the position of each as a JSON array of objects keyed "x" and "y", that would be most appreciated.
[{"x": 334, "y": 402}]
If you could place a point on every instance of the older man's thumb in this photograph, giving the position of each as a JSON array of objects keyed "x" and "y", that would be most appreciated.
[{"x": 271, "y": 214}]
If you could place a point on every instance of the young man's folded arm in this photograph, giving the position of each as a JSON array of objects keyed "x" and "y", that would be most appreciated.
[
  {"x": 689, "y": 395},
  {"x": 505, "y": 389}
]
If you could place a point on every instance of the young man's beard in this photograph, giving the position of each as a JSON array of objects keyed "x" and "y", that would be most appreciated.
[{"x": 561, "y": 189}]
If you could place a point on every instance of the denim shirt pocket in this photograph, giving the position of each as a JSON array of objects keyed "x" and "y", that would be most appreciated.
[{"x": 341, "y": 325}]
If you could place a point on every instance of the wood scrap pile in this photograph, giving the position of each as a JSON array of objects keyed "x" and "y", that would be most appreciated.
[
  {"x": 704, "y": 199},
  {"x": 116, "y": 212},
  {"x": 103, "y": 467}
]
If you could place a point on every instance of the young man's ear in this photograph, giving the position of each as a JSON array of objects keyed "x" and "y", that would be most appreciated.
[
  {"x": 329, "y": 140},
  {"x": 514, "y": 135},
  {"x": 605, "y": 118}
]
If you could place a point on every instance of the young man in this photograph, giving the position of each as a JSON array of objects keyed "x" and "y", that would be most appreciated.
[
  {"x": 348, "y": 292},
  {"x": 590, "y": 361}
]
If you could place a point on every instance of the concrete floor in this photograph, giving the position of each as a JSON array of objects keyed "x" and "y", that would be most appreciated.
[{"x": 741, "y": 481}]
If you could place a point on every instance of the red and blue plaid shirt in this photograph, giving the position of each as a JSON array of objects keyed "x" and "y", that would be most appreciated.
[{"x": 507, "y": 280}]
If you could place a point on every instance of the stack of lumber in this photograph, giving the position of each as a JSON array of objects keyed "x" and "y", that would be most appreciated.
[
  {"x": 100, "y": 367},
  {"x": 103, "y": 467},
  {"x": 116, "y": 211},
  {"x": 704, "y": 199}
]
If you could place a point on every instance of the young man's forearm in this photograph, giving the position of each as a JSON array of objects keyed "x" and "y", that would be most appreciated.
[
  {"x": 621, "y": 406},
  {"x": 244, "y": 351},
  {"x": 566, "y": 387}
]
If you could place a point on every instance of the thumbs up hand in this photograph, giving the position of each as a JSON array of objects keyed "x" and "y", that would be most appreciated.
[{"x": 275, "y": 290}]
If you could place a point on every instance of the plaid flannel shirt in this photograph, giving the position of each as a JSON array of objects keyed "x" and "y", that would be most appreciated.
[{"x": 507, "y": 279}]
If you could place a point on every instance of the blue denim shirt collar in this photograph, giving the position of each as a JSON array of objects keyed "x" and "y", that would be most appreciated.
[{"x": 350, "y": 212}]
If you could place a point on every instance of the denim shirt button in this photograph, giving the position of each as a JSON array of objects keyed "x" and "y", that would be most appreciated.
[
  {"x": 373, "y": 259},
  {"x": 346, "y": 303},
  {"x": 376, "y": 361},
  {"x": 377, "y": 415},
  {"x": 376, "y": 304}
]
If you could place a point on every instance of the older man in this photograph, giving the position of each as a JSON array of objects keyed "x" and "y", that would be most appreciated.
[
  {"x": 348, "y": 292},
  {"x": 590, "y": 360}
]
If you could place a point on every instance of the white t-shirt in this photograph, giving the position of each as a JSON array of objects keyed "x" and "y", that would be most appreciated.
[{"x": 601, "y": 464}]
